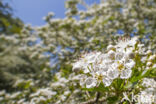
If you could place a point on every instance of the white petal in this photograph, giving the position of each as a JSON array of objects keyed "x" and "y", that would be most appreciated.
[
  {"x": 90, "y": 82},
  {"x": 107, "y": 81},
  {"x": 103, "y": 67},
  {"x": 82, "y": 79},
  {"x": 77, "y": 66},
  {"x": 119, "y": 56},
  {"x": 109, "y": 47},
  {"x": 112, "y": 74},
  {"x": 111, "y": 54},
  {"x": 86, "y": 68},
  {"x": 130, "y": 64},
  {"x": 125, "y": 74}
]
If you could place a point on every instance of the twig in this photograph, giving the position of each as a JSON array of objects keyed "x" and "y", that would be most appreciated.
[{"x": 97, "y": 97}]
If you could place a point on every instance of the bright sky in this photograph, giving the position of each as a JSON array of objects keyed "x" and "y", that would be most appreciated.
[{"x": 33, "y": 11}]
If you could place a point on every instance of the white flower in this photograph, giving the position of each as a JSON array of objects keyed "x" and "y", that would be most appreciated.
[
  {"x": 145, "y": 97},
  {"x": 87, "y": 67},
  {"x": 14, "y": 95},
  {"x": 113, "y": 73},
  {"x": 154, "y": 66},
  {"x": 126, "y": 43},
  {"x": 149, "y": 52},
  {"x": 122, "y": 45},
  {"x": 130, "y": 54},
  {"x": 98, "y": 67},
  {"x": 143, "y": 59},
  {"x": 152, "y": 57},
  {"x": 82, "y": 79},
  {"x": 110, "y": 47},
  {"x": 44, "y": 92},
  {"x": 119, "y": 56},
  {"x": 148, "y": 82},
  {"x": 103, "y": 67},
  {"x": 133, "y": 41},
  {"x": 1, "y": 98},
  {"x": 149, "y": 64},
  {"x": 125, "y": 74},
  {"x": 77, "y": 66},
  {"x": 41, "y": 98},
  {"x": 58, "y": 84},
  {"x": 91, "y": 57},
  {"x": 62, "y": 97},
  {"x": 58, "y": 75},
  {"x": 67, "y": 93},
  {"x": 111, "y": 54},
  {"x": 21, "y": 101},
  {"x": 101, "y": 76},
  {"x": 124, "y": 68},
  {"x": 34, "y": 100},
  {"x": 90, "y": 82},
  {"x": 63, "y": 80},
  {"x": 2, "y": 92},
  {"x": 129, "y": 63},
  {"x": 107, "y": 81}
]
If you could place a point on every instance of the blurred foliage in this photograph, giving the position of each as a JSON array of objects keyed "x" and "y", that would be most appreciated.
[
  {"x": 16, "y": 64},
  {"x": 8, "y": 23}
]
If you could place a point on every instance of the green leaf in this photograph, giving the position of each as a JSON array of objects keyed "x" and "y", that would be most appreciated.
[
  {"x": 131, "y": 85},
  {"x": 112, "y": 100}
]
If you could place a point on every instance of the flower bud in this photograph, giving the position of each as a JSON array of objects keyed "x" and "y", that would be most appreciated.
[{"x": 76, "y": 66}]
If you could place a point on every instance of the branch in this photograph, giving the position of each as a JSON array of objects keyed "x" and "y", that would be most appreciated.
[{"x": 97, "y": 97}]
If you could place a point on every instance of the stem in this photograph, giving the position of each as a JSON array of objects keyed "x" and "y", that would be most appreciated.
[{"x": 97, "y": 97}]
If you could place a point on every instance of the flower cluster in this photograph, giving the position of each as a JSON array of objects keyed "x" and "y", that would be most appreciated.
[
  {"x": 148, "y": 95},
  {"x": 42, "y": 95},
  {"x": 99, "y": 67}
]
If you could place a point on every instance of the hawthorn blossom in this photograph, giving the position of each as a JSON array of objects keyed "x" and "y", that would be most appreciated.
[{"x": 103, "y": 68}]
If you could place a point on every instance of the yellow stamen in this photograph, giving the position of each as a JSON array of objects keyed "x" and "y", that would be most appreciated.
[{"x": 120, "y": 66}]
